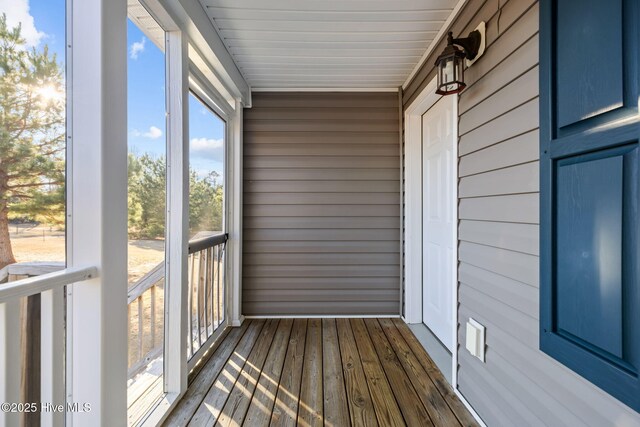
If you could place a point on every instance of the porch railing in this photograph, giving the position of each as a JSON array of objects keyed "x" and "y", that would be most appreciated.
[
  {"x": 145, "y": 327},
  {"x": 206, "y": 290},
  {"x": 205, "y": 300},
  {"x": 32, "y": 322},
  {"x": 40, "y": 285}
]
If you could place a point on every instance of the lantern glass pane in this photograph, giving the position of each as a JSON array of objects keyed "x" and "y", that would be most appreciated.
[
  {"x": 449, "y": 71},
  {"x": 459, "y": 70}
]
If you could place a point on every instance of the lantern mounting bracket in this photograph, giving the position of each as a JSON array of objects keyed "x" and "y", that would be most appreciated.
[{"x": 469, "y": 44}]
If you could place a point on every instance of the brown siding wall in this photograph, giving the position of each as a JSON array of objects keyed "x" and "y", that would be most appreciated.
[
  {"x": 321, "y": 204},
  {"x": 498, "y": 247}
]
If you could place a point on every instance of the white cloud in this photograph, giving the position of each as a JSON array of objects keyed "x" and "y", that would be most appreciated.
[
  {"x": 207, "y": 148},
  {"x": 136, "y": 47},
  {"x": 152, "y": 133},
  {"x": 18, "y": 13}
]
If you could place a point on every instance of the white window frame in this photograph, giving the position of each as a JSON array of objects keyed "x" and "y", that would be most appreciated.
[
  {"x": 96, "y": 356},
  {"x": 175, "y": 372},
  {"x": 201, "y": 74},
  {"x": 183, "y": 76},
  {"x": 208, "y": 95}
]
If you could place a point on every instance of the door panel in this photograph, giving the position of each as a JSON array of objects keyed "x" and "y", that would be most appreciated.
[{"x": 438, "y": 239}]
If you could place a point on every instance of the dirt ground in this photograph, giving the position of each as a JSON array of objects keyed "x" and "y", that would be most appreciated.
[{"x": 48, "y": 244}]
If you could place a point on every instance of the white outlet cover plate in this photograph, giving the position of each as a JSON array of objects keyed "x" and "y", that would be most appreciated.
[{"x": 476, "y": 344}]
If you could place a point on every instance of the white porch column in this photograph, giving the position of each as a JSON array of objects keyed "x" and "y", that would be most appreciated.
[
  {"x": 234, "y": 206},
  {"x": 97, "y": 326},
  {"x": 176, "y": 326}
]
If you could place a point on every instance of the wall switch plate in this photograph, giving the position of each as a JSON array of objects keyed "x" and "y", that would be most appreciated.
[{"x": 475, "y": 342}]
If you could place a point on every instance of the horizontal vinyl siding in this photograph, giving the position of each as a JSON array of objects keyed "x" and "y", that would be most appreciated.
[
  {"x": 499, "y": 233},
  {"x": 321, "y": 204}
]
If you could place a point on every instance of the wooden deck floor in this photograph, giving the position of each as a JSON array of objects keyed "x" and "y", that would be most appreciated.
[{"x": 333, "y": 372}]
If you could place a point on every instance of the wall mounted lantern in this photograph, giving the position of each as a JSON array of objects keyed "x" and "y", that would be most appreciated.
[{"x": 451, "y": 62}]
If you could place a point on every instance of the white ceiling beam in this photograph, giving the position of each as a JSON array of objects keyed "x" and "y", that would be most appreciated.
[
  {"x": 333, "y": 5},
  {"x": 327, "y": 15},
  {"x": 334, "y": 52},
  {"x": 362, "y": 44},
  {"x": 324, "y": 89},
  {"x": 204, "y": 37},
  {"x": 322, "y": 27},
  {"x": 328, "y": 36}
]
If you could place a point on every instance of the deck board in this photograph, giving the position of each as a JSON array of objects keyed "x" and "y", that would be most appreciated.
[
  {"x": 259, "y": 413},
  {"x": 201, "y": 384},
  {"x": 358, "y": 396},
  {"x": 285, "y": 410},
  {"x": 310, "y": 410},
  {"x": 336, "y": 410},
  {"x": 384, "y": 401},
  {"x": 240, "y": 397},
  {"x": 412, "y": 408},
  {"x": 311, "y": 372},
  {"x": 445, "y": 389},
  {"x": 438, "y": 409},
  {"x": 216, "y": 397}
]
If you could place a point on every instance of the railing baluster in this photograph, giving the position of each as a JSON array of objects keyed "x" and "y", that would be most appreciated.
[
  {"x": 214, "y": 313},
  {"x": 30, "y": 383},
  {"x": 52, "y": 355},
  {"x": 214, "y": 285},
  {"x": 11, "y": 362},
  {"x": 190, "y": 310},
  {"x": 221, "y": 283},
  {"x": 199, "y": 293},
  {"x": 129, "y": 353},
  {"x": 152, "y": 327},
  {"x": 207, "y": 290},
  {"x": 212, "y": 290},
  {"x": 140, "y": 313},
  {"x": 217, "y": 296},
  {"x": 194, "y": 303}
]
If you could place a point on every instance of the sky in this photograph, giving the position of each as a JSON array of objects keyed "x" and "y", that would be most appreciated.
[{"x": 43, "y": 23}]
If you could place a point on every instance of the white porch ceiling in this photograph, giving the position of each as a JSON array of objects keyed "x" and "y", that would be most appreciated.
[{"x": 327, "y": 44}]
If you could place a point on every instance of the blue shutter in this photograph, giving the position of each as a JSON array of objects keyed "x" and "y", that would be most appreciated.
[{"x": 590, "y": 192}]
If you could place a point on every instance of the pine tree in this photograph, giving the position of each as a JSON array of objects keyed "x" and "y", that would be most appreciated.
[{"x": 32, "y": 135}]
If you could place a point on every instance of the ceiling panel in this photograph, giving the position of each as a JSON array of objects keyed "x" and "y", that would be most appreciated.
[{"x": 327, "y": 44}]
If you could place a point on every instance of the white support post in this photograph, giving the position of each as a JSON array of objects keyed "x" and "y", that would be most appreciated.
[
  {"x": 97, "y": 222},
  {"x": 52, "y": 360},
  {"x": 10, "y": 360},
  {"x": 234, "y": 251},
  {"x": 413, "y": 218},
  {"x": 176, "y": 328}
]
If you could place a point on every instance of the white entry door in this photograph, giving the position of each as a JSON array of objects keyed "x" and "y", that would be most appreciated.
[{"x": 439, "y": 182}]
